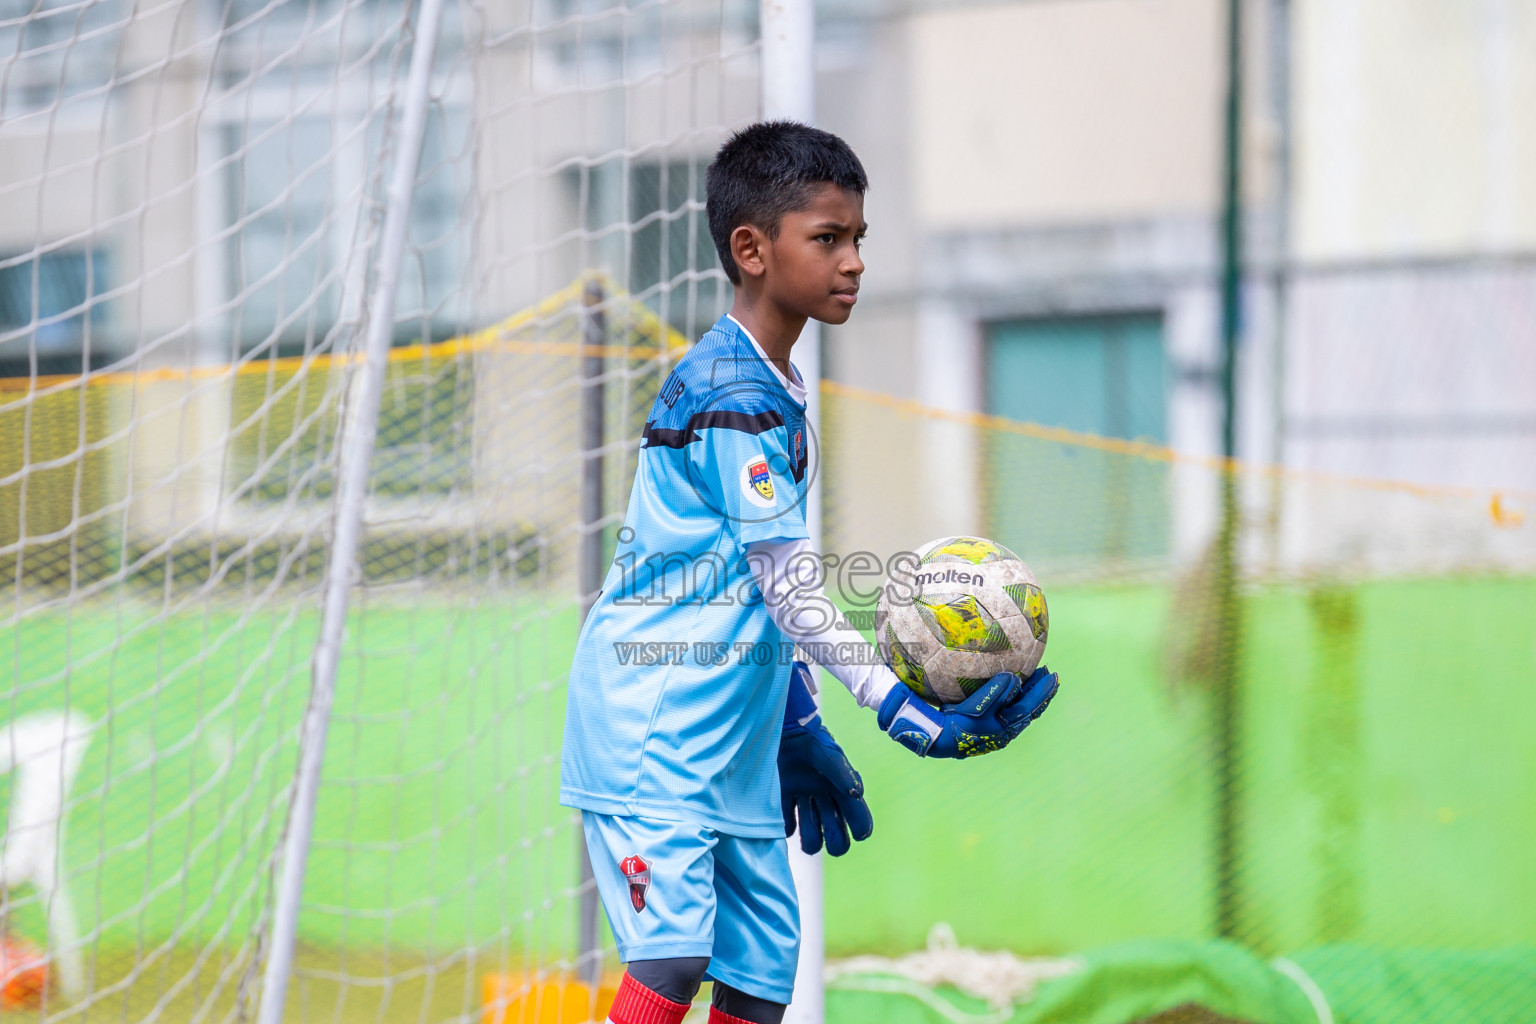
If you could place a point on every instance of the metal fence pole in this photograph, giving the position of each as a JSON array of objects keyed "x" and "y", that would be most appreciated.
[
  {"x": 1278, "y": 33},
  {"x": 1227, "y": 709},
  {"x": 359, "y": 429},
  {"x": 789, "y": 92},
  {"x": 590, "y": 570}
]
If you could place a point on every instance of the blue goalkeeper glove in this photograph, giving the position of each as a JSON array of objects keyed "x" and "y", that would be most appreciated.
[
  {"x": 815, "y": 777},
  {"x": 987, "y": 720}
]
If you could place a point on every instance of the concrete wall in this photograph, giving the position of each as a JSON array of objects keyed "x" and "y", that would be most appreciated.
[
  {"x": 1416, "y": 127},
  {"x": 1415, "y": 151},
  {"x": 1064, "y": 112}
]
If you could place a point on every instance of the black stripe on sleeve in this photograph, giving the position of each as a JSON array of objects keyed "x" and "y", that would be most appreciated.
[{"x": 728, "y": 419}]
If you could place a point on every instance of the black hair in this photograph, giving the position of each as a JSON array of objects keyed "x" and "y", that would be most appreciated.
[{"x": 768, "y": 169}]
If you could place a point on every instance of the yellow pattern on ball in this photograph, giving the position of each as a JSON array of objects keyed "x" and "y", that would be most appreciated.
[
  {"x": 974, "y": 550},
  {"x": 1031, "y": 601},
  {"x": 962, "y": 624}
]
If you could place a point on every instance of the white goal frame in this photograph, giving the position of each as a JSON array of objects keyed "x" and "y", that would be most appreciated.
[{"x": 788, "y": 30}]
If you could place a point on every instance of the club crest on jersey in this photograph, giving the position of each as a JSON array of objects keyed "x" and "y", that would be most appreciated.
[
  {"x": 758, "y": 482},
  {"x": 638, "y": 873}
]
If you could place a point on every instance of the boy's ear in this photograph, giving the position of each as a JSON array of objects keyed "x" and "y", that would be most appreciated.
[{"x": 747, "y": 249}]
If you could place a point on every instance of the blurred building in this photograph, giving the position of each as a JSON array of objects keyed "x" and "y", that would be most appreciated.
[
  {"x": 1044, "y": 212},
  {"x": 1044, "y": 243},
  {"x": 198, "y": 184},
  {"x": 190, "y": 199}
]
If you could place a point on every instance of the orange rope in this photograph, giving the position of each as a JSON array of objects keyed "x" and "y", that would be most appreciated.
[
  {"x": 1497, "y": 497},
  {"x": 558, "y": 305}
]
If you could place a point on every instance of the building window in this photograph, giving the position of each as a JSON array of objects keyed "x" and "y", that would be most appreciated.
[
  {"x": 300, "y": 193},
  {"x": 299, "y": 189},
  {"x": 647, "y": 227},
  {"x": 1100, "y": 375},
  {"x": 47, "y": 302},
  {"x": 58, "y": 54}
]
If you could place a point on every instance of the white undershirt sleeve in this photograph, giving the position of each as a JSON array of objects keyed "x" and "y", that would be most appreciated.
[{"x": 789, "y": 574}]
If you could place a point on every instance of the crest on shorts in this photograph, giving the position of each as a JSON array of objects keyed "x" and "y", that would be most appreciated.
[{"x": 638, "y": 873}]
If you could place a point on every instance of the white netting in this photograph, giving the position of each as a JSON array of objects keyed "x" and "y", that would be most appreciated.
[
  {"x": 998, "y": 977},
  {"x": 191, "y": 198}
]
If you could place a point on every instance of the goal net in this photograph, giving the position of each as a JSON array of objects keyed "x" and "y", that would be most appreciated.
[
  {"x": 194, "y": 197},
  {"x": 1280, "y": 688}
]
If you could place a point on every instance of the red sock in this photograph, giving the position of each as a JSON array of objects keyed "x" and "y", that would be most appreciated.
[
  {"x": 719, "y": 1016},
  {"x": 636, "y": 1004}
]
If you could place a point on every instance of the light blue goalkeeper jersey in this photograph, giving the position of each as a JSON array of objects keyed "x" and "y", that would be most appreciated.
[{"x": 676, "y": 697}]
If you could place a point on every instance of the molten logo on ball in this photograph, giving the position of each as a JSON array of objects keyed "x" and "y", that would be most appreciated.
[{"x": 638, "y": 872}]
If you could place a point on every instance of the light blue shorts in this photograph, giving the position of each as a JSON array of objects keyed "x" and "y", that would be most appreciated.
[{"x": 672, "y": 888}]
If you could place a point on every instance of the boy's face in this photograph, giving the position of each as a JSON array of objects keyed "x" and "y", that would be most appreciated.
[{"x": 813, "y": 266}]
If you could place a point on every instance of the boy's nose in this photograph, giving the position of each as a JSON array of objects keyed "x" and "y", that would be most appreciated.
[{"x": 854, "y": 265}]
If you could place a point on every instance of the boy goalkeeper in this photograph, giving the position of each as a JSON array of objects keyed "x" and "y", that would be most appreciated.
[{"x": 690, "y": 754}]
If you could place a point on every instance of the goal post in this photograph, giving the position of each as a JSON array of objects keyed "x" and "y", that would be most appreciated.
[
  {"x": 359, "y": 430},
  {"x": 789, "y": 92}
]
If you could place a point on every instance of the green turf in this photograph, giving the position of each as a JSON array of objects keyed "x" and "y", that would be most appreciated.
[
  {"x": 1097, "y": 827},
  {"x": 1389, "y": 790},
  {"x": 436, "y": 823}
]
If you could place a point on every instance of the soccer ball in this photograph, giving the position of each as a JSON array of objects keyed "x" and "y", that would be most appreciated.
[{"x": 967, "y": 610}]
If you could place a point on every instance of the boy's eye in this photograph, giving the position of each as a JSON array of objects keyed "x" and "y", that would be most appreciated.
[{"x": 828, "y": 238}]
